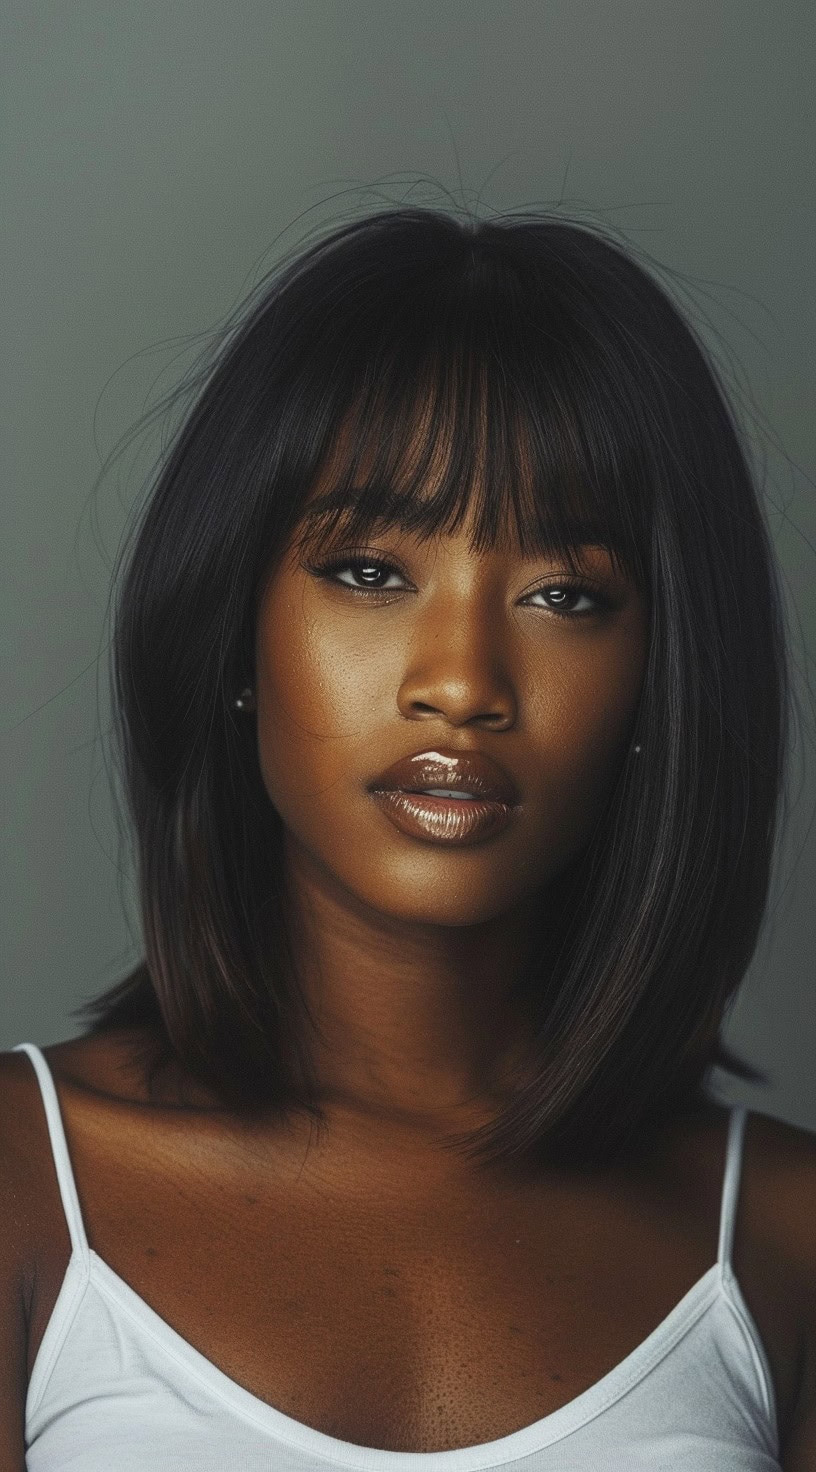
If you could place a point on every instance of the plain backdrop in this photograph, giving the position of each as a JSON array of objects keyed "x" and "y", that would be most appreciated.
[{"x": 156, "y": 157}]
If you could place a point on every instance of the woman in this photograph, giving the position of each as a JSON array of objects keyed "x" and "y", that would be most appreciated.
[{"x": 451, "y": 694}]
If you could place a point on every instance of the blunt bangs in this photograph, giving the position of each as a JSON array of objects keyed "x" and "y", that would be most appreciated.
[{"x": 535, "y": 435}]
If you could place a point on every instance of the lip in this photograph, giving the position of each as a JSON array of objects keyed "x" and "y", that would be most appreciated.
[
  {"x": 461, "y": 771},
  {"x": 452, "y": 821}
]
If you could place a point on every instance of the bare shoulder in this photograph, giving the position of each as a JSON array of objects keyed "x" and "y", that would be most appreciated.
[
  {"x": 35, "y": 1231},
  {"x": 18, "y": 1222},
  {"x": 786, "y": 1158},
  {"x": 26, "y": 1171},
  {"x": 35, "y": 1242},
  {"x": 14, "y": 1132},
  {"x": 777, "y": 1181},
  {"x": 20, "y": 1133},
  {"x": 774, "y": 1246},
  {"x": 786, "y": 1154}
]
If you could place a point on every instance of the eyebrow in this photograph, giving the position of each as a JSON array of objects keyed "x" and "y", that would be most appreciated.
[{"x": 392, "y": 512}]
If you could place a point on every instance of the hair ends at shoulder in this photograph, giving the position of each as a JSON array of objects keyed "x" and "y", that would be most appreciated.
[{"x": 602, "y": 410}]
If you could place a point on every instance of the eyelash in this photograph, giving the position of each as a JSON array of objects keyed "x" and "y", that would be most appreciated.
[{"x": 329, "y": 570}]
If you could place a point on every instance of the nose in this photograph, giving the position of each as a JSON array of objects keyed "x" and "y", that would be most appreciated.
[{"x": 456, "y": 673}]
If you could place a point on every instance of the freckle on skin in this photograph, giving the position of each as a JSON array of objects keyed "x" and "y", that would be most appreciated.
[
  {"x": 151, "y": 1252},
  {"x": 251, "y": 1200}
]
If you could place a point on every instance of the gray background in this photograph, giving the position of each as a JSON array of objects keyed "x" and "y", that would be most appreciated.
[{"x": 153, "y": 153}]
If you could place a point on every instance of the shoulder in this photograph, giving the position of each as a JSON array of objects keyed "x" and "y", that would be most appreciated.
[
  {"x": 777, "y": 1180},
  {"x": 34, "y": 1230},
  {"x": 21, "y": 1138},
  {"x": 14, "y": 1139},
  {"x": 785, "y": 1156},
  {"x": 18, "y": 1258},
  {"x": 784, "y": 1159},
  {"x": 28, "y": 1186},
  {"x": 774, "y": 1247},
  {"x": 35, "y": 1242}
]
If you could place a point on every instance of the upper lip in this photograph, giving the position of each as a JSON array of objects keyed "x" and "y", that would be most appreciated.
[{"x": 463, "y": 771}]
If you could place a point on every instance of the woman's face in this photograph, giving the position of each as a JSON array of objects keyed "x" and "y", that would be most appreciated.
[{"x": 459, "y": 652}]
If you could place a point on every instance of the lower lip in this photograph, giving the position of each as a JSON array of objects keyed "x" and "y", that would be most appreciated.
[{"x": 447, "y": 820}]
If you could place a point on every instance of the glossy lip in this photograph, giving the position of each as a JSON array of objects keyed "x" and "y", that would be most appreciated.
[
  {"x": 444, "y": 820},
  {"x": 461, "y": 771}
]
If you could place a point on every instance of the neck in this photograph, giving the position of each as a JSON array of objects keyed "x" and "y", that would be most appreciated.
[{"x": 412, "y": 1022}]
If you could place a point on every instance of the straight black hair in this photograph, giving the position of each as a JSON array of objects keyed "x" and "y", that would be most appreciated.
[{"x": 556, "y": 382}]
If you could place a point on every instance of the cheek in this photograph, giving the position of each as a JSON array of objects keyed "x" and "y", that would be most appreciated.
[
  {"x": 585, "y": 712},
  {"x": 315, "y": 697},
  {"x": 594, "y": 709}
]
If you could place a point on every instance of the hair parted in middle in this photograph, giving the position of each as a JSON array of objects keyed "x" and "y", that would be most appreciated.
[{"x": 557, "y": 389}]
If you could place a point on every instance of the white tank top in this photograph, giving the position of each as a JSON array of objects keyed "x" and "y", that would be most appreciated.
[{"x": 115, "y": 1389}]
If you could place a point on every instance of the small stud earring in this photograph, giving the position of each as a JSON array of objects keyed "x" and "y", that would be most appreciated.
[{"x": 245, "y": 701}]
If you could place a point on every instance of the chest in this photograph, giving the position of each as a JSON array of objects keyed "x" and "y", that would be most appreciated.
[
  {"x": 422, "y": 1336},
  {"x": 396, "y": 1311}
]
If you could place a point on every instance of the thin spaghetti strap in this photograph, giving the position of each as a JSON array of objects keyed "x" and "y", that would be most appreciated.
[
  {"x": 59, "y": 1148},
  {"x": 731, "y": 1184}
]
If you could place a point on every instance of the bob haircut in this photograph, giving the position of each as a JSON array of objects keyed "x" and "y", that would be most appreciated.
[{"x": 568, "y": 394}]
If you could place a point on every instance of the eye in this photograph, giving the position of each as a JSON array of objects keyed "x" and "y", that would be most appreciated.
[
  {"x": 371, "y": 569},
  {"x": 364, "y": 567},
  {"x": 569, "y": 588}
]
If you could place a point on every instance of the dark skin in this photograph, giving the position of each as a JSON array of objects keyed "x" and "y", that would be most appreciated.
[
  {"x": 407, "y": 949},
  {"x": 412, "y": 1302}
]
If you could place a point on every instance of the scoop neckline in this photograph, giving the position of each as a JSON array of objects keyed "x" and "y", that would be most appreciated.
[{"x": 525, "y": 1440}]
